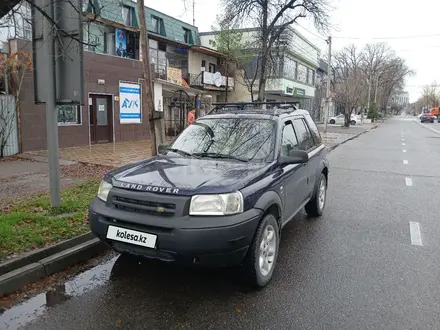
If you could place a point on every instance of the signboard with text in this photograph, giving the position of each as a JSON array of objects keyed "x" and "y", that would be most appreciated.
[{"x": 130, "y": 106}]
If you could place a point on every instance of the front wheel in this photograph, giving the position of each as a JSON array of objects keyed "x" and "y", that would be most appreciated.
[
  {"x": 315, "y": 207},
  {"x": 261, "y": 258},
  {"x": 332, "y": 121},
  {"x": 353, "y": 122}
]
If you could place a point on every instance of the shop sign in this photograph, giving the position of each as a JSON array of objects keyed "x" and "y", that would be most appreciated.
[
  {"x": 299, "y": 92},
  {"x": 174, "y": 76},
  {"x": 130, "y": 106}
]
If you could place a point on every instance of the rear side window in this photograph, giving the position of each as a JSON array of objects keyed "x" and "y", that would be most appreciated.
[
  {"x": 314, "y": 131},
  {"x": 305, "y": 139},
  {"x": 289, "y": 141}
]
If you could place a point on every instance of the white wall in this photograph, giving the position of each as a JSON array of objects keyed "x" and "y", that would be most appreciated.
[{"x": 195, "y": 61}]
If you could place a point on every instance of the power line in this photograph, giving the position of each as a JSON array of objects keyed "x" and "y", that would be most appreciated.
[{"x": 395, "y": 37}]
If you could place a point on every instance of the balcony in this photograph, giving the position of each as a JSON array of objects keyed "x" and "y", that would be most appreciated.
[{"x": 211, "y": 81}]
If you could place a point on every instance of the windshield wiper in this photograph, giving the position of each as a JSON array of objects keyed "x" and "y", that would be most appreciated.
[
  {"x": 180, "y": 152},
  {"x": 221, "y": 156}
]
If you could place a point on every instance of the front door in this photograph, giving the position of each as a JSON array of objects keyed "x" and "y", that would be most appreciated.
[
  {"x": 295, "y": 176},
  {"x": 101, "y": 119}
]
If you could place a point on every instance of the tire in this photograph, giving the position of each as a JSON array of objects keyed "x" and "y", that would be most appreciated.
[
  {"x": 332, "y": 121},
  {"x": 251, "y": 265},
  {"x": 353, "y": 122},
  {"x": 315, "y": 207}
]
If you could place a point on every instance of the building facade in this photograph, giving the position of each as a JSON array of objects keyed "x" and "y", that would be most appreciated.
[
  {"x": 182, "y": 71},
  {"x": 292, "y": 73},
  {"x": 401, "y": 98}
]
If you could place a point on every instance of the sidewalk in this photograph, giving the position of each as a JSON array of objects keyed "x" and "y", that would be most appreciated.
[{"x": 336, "y": 135}]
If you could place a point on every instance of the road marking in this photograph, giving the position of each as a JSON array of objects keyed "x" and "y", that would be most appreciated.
[
  {"x": 416, "y": 236},
  {"x": 405, "y": 162},
  {"x": 408, "y": 182},
  {"x": 403, "y": 144},
  {"x": 404, "y": 150}
]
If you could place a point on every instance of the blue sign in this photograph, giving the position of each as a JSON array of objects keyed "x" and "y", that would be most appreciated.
[
  {"x": 121, "y": 43},
  {"x": 130, "y": 107}
]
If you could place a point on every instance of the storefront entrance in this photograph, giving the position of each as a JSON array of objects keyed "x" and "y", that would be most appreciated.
[{"x": 101, "y": 118}]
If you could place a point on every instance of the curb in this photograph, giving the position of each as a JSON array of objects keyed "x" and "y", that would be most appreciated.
[
  {"x": 15, "y": 274},
  {"x": 427, "y": 127},
  {"x": 352, "y": 138}
]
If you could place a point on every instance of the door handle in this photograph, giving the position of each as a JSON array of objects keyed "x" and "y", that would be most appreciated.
[{"x": 304, "y": 164}]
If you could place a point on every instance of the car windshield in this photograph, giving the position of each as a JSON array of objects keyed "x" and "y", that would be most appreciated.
[{"x": 240, "y": 139}]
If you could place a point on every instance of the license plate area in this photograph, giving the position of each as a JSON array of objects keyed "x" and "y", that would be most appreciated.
[{"x": 132, "y": 237}]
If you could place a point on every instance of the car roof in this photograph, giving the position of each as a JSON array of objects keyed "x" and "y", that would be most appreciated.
[{"x": 255, "y": 110}]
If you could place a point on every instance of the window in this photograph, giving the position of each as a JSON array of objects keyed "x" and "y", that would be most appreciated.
[
  {"x": 187, "y": 36},
  {"x": 211, "y": 68},
  {"x": 242, "y": 139},
  {"x": 127, "y": 16},
  {"x": 203, "y": 65},
  {"x": 69, "y": 114},
  {"x": 310, "y": 76},
  {"x": 314, "y": 130},
  {"x": 301, "y": 73},
  {"x": 155, "y": 23},
  {"x": 289, "y": 141},
  {"x": 304, "y": 137},
  {"x": 289, "y": 68}
]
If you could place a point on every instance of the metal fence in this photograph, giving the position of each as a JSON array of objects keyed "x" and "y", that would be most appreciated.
[{"x": 8, "y": 124}]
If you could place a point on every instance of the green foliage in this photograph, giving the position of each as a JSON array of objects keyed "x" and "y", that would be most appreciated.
[{"x": 373, "y": 113}]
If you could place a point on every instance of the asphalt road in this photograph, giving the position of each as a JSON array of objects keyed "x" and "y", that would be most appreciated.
[{"x": 361, "y": 266}]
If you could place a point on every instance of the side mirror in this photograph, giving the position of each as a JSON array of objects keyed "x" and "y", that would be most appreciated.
[
  {"x": 295, "y": 157},
  {"x": 161, "y": 148}
]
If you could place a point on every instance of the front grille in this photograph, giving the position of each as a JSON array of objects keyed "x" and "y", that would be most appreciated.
[{"x": 145, "y": 207}]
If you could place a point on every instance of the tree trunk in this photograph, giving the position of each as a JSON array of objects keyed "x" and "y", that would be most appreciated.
[
  {"x": 227, "y": 81},
  {"x": 264, "y": 53},
  {"x": 147, "y": 100}
]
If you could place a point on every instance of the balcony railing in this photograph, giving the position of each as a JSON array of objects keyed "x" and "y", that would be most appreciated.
[{"x": 209, "y": 80}]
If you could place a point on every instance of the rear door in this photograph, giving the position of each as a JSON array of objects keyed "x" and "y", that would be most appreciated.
[
  {"x": 295, "y": 176},
  {"x": 309, "y": 140}
]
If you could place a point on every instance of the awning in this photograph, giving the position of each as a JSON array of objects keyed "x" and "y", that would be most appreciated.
[{"x": 168, "y": 86}]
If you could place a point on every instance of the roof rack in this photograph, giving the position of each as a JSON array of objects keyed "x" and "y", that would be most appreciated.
[{"x": 268, "y": 108}]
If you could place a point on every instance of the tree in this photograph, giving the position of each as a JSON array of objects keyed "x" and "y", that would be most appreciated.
[
  {"x": 228, "y": 41},
  {"x": 13, "y": 68},
  {"x": 349, "y": 80},
  {"x": 273, "y": 17}
]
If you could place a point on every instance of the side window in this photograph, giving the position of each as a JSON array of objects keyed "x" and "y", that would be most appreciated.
[
  {"x": 314, "y": 130},
  {"x": 304, "y": 137},
  {"x": 289, "y": 141}
]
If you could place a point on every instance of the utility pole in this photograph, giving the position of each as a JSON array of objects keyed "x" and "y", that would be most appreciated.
[
  {"x": 147, "y": 101},
  {"x": 194, "y": 13},
  {"x": 375, "y": 93},
  {"x": 51, "y": 113},
  {"x": 328, "y": 97}
]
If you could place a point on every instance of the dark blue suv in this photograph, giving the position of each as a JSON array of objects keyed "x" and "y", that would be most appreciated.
[{"x": 220, "y": 194}]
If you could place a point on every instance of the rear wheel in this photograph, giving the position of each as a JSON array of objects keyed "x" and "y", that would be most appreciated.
[
  {"x": 353, "y": 122},
  {"x": 315, "y": 207},
  {"x": 261, "y": 258}
]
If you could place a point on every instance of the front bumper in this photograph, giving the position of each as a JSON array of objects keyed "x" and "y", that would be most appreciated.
[{"x": 202, "y": 241}]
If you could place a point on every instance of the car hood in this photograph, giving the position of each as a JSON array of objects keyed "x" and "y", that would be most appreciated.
[{"x": 186, "y": 176}]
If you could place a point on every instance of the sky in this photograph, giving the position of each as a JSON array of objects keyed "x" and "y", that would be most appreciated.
[{"x": 411, "y": 29}]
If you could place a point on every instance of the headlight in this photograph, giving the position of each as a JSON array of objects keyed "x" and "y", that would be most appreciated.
[
  {"x": 224, "y": 204},
  {"x": 103, "y": 190}
]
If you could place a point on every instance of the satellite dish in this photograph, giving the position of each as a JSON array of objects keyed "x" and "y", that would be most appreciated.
[{"x": 217, "y": 79}]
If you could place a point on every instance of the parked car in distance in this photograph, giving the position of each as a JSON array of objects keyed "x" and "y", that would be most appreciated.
[
  {"x": 220, "y": 194},
  {"x": 426, "y": 117},
  {"x": 340, "y": 119}
]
